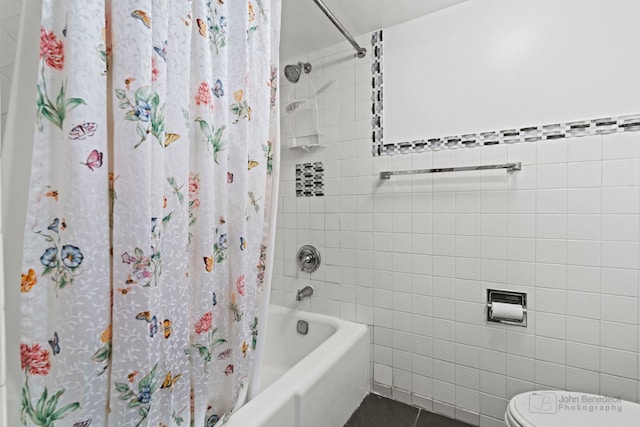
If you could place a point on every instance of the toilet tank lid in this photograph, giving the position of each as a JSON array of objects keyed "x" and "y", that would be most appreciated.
[{"x": 555, "y": 408}]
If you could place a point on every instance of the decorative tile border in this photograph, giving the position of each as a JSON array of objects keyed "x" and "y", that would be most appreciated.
[
  {"x": 600, "y": 126},
  {"x": 376, "y": 91},
  {"x": 310, "y": 179},
  {"x": 511, "y": 136}
]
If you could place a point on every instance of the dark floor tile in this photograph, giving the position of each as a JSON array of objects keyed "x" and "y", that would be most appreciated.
[
  {"x": 429, "y": 419},
  {"x": 378, "y": 411}
]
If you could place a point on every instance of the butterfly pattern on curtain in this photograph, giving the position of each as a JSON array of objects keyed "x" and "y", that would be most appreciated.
[{"x": 147, "y": 225}]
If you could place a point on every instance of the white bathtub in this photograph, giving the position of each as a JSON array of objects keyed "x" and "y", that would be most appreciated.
[{"x": 313, "y": 380}]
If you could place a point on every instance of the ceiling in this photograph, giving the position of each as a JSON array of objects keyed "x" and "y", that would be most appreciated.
[{"x": 305, "y": 28}]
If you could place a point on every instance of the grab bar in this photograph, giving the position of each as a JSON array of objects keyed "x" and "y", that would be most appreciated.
[{"x": 508, "y": 166}]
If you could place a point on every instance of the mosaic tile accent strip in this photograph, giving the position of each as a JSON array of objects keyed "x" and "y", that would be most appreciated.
[
  {"x": 376, "y": 91},
  {"x": 600, "y": 126},
  {"x": 310, "y": 179},
  {"x": 511, "y": 136}
]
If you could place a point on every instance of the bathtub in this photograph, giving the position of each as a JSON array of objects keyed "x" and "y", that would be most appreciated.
[{"x": 313, "y": 380}]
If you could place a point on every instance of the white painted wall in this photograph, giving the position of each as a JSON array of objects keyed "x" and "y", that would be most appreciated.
[
  {"x": 412, "y": 257},
  {"x": 499, "y": 64},
  {"x": 9, "y": 27},
  {"x": 305, "y": 28},
  {"x": 3, "y": 345}
]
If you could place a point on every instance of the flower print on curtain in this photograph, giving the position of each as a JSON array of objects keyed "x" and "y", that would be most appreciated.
[
  {"x": 52, "y": 58},
  {"x": 147, "y": 237},
  {"x": 65, "y": 286},
  {"x": 233, "y": 120}
]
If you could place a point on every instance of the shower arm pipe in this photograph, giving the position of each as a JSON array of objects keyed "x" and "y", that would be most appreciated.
[{"x": 360, "y": 51}]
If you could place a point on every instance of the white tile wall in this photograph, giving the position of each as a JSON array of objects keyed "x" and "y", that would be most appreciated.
[{"x": 413, "y": 256}]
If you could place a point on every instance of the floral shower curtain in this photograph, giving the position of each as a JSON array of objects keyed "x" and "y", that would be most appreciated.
[{"x": 147, "y": 226}]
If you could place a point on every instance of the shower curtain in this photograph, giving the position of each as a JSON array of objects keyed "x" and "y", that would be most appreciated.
[{"x": 147, "y": 233}]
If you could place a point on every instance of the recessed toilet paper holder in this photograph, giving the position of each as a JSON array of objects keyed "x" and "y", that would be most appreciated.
[{"x": 507, "y": 297}]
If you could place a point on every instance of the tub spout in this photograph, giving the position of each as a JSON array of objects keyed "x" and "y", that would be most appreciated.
[{"x": 305, "y": 292}]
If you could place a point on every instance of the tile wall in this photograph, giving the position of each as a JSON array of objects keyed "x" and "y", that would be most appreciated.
[{"x": 413, "y": 256}]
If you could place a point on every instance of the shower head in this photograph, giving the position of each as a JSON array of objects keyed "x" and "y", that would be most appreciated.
[{"x": 293, "y": 72}]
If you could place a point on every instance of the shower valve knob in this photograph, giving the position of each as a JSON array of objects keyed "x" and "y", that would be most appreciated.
[{"x": 308, "y": 258}]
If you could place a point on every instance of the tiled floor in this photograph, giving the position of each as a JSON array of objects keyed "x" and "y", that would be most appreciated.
[{"x": 378, "y": 411}]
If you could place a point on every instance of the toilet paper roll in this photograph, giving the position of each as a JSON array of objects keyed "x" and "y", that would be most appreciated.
[{"x": 501, "y": 310}]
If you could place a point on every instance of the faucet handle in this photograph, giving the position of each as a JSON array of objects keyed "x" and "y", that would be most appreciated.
[{"x": 308, "y": 258}]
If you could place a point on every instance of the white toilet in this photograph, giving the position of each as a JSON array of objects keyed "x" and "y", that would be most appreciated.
[{"x": 554, "y": 408}]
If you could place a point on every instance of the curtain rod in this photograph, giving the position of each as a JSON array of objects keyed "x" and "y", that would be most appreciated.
[{"x": 361, "y": 52}]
